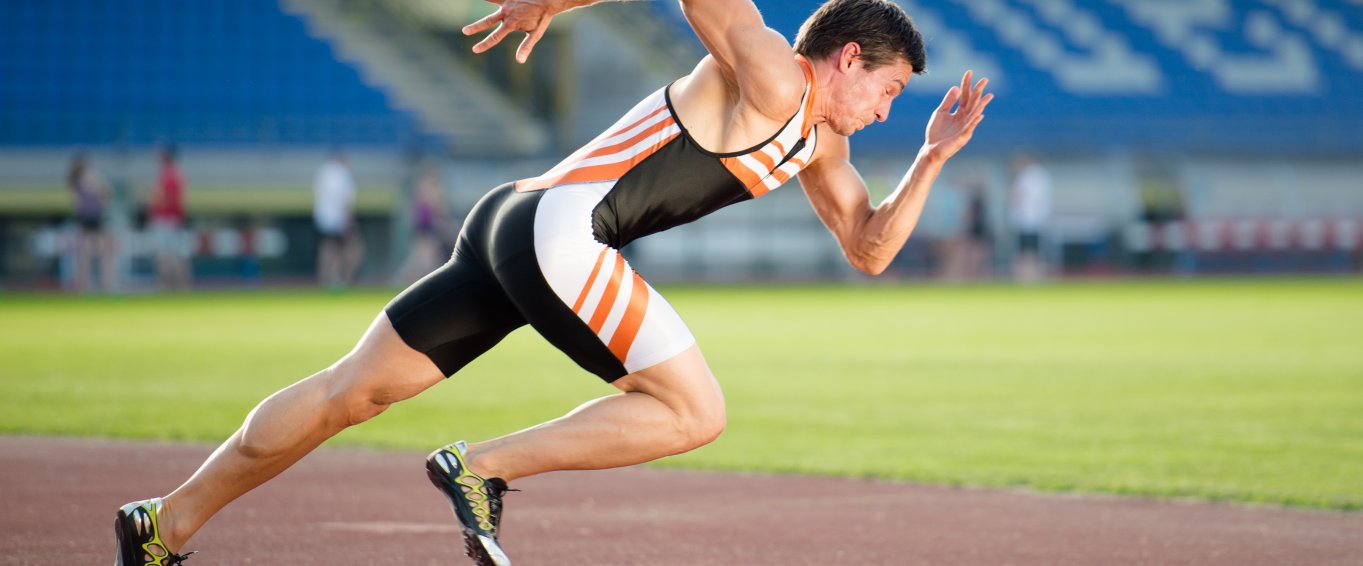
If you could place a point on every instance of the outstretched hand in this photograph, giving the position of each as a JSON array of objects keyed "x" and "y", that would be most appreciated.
[
  {"x": 948, "y": 131},
  {"x": 529, "y": 16}
]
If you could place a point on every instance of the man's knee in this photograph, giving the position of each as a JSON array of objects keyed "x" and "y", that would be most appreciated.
[
  {"x": 352, "y": 400},
  {"x": 702, "y": 422},
  {"x": 686, "y": 387},
  {"x": 706, "y": 427}
]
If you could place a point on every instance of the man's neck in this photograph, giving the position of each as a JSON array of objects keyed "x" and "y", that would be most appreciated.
[{"x": 818, "y": 112}]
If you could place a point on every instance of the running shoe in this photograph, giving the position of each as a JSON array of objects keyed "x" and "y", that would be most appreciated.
[
  {"x": 139, "y": 542},
  {"x": 477, "y": 502}
]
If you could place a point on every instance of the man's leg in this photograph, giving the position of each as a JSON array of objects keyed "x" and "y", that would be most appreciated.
[
  {"x": 108, "y": 262},
  {"x": 667, "y": 409},
  {"x": 83, "y": 251},
  {"x": 329, "y": 262},
  {"x": 283, "y": 428},
  {"x": 352, "y": 254}
]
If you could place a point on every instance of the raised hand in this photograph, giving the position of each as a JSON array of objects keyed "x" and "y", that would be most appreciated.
[
  {"x": 948, "y": 130},
  {"x": 529, "y": 16}
]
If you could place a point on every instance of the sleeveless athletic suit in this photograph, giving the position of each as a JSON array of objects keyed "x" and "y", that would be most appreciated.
[{"x": 545, "y": 250}]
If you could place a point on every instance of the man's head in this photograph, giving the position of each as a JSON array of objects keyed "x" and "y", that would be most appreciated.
[
  {"x": 882, "y": 29},
  {"x": 872, "y": 47}
]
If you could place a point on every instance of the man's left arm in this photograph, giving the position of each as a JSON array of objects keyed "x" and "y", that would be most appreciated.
[{"x": 870, "y": 237}]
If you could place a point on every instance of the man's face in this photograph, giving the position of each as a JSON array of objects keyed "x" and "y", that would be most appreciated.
[{"x": 859, "y": 97}]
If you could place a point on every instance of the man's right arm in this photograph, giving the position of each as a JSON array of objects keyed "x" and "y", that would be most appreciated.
[{"x": 753, "y": 58}]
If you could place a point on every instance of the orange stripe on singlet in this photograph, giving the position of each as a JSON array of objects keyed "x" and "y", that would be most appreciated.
[
  {"x": 782, "y": 176},
  {"x": 629, "y": 326},
  {"x": 603, "y": 172},
  {"x": 619, "y": 147},
  {"x": 636, "y": 123},
  {"x": 548, "y": 179},
  {"x": 603, "y": 308},
  {"x": 762, "y": 157},
  {"x": 808, "y": 123},
  {"x": 744, "y": 173},
  {"x": 582, "y": 297},
  {"x": 587, "y": 151}
]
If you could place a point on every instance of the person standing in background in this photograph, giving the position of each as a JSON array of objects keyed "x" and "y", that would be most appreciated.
[
  {"x": 966, "y": 256},
  {"x": 341, "y": 248},
  {"x": 978, "y": 237},
  {"x": 428, "y": 230},
  {"x": 1030, "y": 213},
  {"x": 167, "y": 217},
  {"x": 93, "y": 242}
]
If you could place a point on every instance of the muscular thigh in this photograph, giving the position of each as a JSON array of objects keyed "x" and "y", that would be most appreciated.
[
  {"x": 454, "y": 314},
  {"x": 382, "y": 369},
  {"x": 683, "y": 382}
]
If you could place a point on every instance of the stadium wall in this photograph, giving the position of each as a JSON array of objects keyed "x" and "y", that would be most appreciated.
[{"x": 1247, "y": 112}]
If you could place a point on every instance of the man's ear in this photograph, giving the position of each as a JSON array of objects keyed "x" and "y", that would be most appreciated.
[{"x": 849, "y": 54}]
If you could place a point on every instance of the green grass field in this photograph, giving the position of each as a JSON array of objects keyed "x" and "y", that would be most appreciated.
[{"x": 1235, "y": 390}]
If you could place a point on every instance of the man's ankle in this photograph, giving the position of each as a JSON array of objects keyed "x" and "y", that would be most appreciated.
[
  {"x": 480, "y": 463},
  {"x": 173, "y": 537}
]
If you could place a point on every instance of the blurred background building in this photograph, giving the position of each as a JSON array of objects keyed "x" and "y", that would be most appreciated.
[{"x": 1179, "y": 136}]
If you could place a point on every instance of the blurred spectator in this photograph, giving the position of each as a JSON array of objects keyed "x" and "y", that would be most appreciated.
[
  {"x": 968, "y": 251},
  {"x": 1030, "y": 213},
  {"x": 166, "y": 210},
  {"x": 1162, "y": 206},
  {"x": 250, "y": 267},
  {"x": 341, "y": 248},
  {"x": 93, "y": 242},
  {"x": 428, "y": 226}
]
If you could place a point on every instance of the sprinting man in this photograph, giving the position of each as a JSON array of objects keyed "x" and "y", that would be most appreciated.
[{"x": 544, "y": 251}]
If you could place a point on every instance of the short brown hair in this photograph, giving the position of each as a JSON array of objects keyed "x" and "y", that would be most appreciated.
[{"x": 880, "y": 27}]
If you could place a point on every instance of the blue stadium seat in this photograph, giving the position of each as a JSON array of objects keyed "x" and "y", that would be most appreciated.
[
  {"x": 218, "y": 72},
  {"x": 1209, "y": 76},
  {"x": 1218, "y": 89}
]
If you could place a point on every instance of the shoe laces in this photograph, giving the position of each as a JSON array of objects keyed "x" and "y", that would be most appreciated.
[
  {"x": 175, "y": 559},
  {"x": 498, "y": 487}
]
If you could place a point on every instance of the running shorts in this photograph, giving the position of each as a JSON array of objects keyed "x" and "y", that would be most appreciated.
[{"x": 532, "y": 258}]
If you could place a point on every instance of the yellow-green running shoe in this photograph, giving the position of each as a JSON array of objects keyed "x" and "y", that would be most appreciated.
[
  {"x": 477, "y": 502},
  {"x": 139, "y": 541}
]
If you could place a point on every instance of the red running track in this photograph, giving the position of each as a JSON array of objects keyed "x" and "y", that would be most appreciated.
[{"x": 348, "y": 506}]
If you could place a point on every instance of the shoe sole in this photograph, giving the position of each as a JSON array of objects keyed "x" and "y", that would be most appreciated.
[
  {"x": 483, "y": 550},
  {"x": 122, "y": 540},
  {"x": 128, "y": 552}
]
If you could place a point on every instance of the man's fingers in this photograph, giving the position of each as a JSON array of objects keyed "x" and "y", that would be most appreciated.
[
  {"x": 484, "y": 24},
  {"x": 985, "y": 101},
  {"x": 979, "y": 88},
  {"x": 531, "y": 38},
  {"x": 492, "y": 39},
  {"x": 965, "y": 88},
  {"x": 952, "y": 94},
  {"x": 981, "y": 104}
]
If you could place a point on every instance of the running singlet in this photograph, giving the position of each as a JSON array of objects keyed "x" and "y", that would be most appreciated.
[
  {"x": 545, "y": 250},
  {"x": 658, "y": 177}
]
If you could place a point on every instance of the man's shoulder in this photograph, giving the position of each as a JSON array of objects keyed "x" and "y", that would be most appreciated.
[{"x": 775, "y": 91}]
